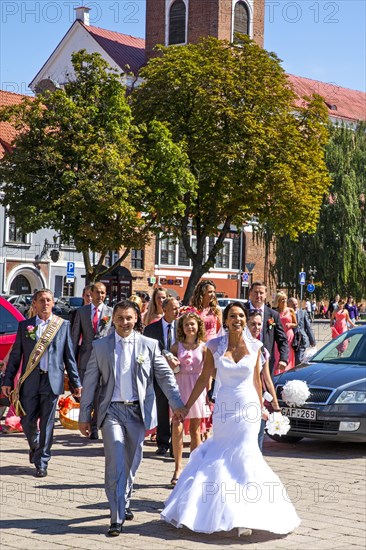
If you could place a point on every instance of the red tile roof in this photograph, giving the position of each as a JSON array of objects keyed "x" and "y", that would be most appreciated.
[
  {"x": 342, "y": 103},
  {"x": 122, "y": 48},
  {"x": 7, "y": 132}
]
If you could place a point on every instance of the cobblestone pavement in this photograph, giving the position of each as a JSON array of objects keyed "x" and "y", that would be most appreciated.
[{"x": 68, "y": 509}]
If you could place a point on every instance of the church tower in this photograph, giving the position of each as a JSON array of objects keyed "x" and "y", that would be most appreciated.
[{"x": 171, "y": 22}]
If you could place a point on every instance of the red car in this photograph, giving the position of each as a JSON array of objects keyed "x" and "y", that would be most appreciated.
[{"x": 9, "y": 320}]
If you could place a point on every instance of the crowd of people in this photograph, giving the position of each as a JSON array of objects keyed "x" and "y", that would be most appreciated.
[{"x": 152, "y": 368}]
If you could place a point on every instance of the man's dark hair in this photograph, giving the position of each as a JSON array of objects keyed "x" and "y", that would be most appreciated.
[
  {"x": 127, "y": 304},
  {"x": 257, "y": 283}
]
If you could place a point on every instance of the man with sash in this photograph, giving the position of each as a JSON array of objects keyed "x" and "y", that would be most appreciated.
[{"x": 43, "y": 347}]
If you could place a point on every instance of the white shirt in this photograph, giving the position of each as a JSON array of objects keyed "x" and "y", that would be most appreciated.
[
  {"x": 124, "y": 360},
  {"x": 165, "y": 331},
  {"x": 41, "y": 327}
]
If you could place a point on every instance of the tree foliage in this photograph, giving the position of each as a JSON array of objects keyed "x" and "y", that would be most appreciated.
[
  {"x": 81, "y": 166},
  {"x": 231, "y": 109},
  {"x": 338, "y": 248}
]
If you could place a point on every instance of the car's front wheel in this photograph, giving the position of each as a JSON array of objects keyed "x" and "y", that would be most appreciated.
[{"x": 285, "y": 438}]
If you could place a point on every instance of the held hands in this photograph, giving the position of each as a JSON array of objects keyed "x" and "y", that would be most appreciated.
[
  {"x": 180, "y": 414},
  {"x": 282, "y": 365}
]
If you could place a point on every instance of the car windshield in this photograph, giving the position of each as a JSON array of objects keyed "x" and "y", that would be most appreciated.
[{"x": 348, "y": 348}]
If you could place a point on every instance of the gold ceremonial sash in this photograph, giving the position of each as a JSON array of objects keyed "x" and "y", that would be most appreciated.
[{"x": 37, "y": 353}]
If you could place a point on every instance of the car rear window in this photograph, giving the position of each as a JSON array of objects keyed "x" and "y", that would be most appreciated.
[{"x": 8, "y": 323}]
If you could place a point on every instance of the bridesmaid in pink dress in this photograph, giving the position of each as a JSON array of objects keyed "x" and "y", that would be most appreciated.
[
  {"x": 289, "y": 322},
  {"x": 340, "y": 321},
  {"x": 205, "y": 301},
  {"x": 191, "y": 351}
]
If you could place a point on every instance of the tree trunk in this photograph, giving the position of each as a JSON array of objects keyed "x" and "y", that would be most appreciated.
[{"x": 197, "y": 271}]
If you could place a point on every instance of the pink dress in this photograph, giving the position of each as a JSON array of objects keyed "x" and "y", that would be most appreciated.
[
  {"x": 191, "y": 363},
  {"x": 211, "y": 323},
  {"x": 340, "y": 326},
  {"x": 286, "y": 317}
]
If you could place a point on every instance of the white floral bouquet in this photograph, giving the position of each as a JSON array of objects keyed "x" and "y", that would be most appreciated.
[
  {"x": 295, "y": 393},
  {"x": 277, "y": 424}
]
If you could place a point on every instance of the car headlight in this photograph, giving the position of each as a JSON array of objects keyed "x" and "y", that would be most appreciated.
[{"x": 352, "y": 397}]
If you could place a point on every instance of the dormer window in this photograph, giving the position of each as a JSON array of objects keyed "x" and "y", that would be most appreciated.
[
  {"x": 177, "y": 23},
  {"x": 241, "y": 20}
]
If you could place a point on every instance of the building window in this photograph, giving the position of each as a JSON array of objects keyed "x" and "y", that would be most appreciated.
[
  {"x": 15, "y": 235},
  {"x": 223, "y": 257},
  {"x": 137, "y": 259},
  {"x": 241, "y": 20},
  {"x": 111, "y": 258},
  {"x": 167, "y": 251},
  {"x": 177, "y": 23}
]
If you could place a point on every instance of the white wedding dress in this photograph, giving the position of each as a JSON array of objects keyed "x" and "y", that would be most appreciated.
[{"x": 227, "y": 484}]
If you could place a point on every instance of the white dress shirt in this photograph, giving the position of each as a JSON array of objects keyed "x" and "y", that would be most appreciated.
[
  {"x": 124, "y": 361},
  {"x": 41, "y": 327}
]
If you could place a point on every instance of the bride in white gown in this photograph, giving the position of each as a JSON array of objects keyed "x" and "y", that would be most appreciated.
[{"x": 227, "y": 484}]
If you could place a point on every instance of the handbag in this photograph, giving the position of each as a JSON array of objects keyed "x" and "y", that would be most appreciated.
[{"x": 298, "y": 342}]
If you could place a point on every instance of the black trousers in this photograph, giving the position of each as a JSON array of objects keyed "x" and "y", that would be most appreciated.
[
  {"x": 162, "y": 406},
  {"x": 39, "y": 403}
]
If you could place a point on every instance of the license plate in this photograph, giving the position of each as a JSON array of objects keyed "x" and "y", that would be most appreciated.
[{"x": 306, "y": 414}]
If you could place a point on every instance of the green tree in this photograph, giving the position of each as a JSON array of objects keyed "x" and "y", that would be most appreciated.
[
  {"x": 231, "y": 109},
  {"x": 338, "y": 248},
  {"x": 80, "y": 166}
]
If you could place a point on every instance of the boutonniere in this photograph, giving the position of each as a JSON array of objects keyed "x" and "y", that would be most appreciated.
[
  {"x": 271, "y": 323},
  {"x": 31, "y": 332},
  {"x": 141, "y": 359},
  {"x": 104, "y": 320}
]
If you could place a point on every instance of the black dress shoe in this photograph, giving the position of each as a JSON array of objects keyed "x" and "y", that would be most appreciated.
[
  {"x": 115, "y": 529},
  {"x": 41, "y": 472},
  {"x": 129, "y": 514},
  {"x": 94, "y": 435},
  {"x": 162, "y": 450}
]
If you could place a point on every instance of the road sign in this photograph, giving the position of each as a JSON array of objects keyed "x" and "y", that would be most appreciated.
[
  {"x": 250, "y": 266},
  {"x": 302, "y": 277},
  {"x": 70, "y": 270},
  {"x": 245, "y": 277},
  {"x": 70, "y": 280},
  {"x": 311, "y": 287}
]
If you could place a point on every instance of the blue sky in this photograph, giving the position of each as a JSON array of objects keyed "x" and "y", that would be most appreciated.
[{"x": 318, "y": 39}]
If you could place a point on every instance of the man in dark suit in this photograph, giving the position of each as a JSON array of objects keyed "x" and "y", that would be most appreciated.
[
  {"x": 46, "y": 336},
  {"x": 303, "y": 325},
  {"x": 163, "y": 331},
  {"x": 272, "y": 329},
  {"x": 91, "y": 322}
]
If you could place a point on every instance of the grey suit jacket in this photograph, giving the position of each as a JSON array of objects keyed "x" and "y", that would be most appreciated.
[
  {"x": 303, "y": 324},
  {"x": 148, "y": 363},
  {"x": 82, "y": 326},
  {"x": 60, "y": 354}
]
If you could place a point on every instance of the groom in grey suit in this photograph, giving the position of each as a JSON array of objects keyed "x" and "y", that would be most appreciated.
[
  {"x": 91, "y": 322},
  {"x": 124, "y": 364}
]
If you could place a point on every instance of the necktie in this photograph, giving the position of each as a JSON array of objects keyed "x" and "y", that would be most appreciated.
[
  {"x": 95, "y": 320},
  {"x": 169, "y": 338}
]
